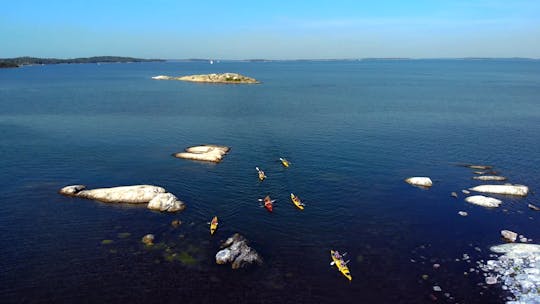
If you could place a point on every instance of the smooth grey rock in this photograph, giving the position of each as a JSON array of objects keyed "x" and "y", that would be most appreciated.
[
  {"x": 157, "y": 197},
  {"x": 454, "y": 194},
  {"x": 463, "y": 213},
  {"x": 419, "y": 181},
  {"x": 483, "y": 201},
  {"x": 479, "y": 167},
  {"x": 235, "y": 250},
  {"x": 71, "y": 190},
  {"x": 509, "y": 235},
  {"x": 166, "y": 202},
  {"x": 138, "y": 194},
  {"x": 533, "y": 207},
  {"x": 518, "y": 190}
]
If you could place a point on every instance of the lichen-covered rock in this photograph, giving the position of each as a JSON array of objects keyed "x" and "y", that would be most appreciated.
[
  {"x": 518, "y": 190},
  {"x": 235, "y": 250},
  {"x": 211, "y": 153},
  {"x": 419, "y": 181},
  {"x": 483, "y": 201},
  {"x": 166, "y": 202}
]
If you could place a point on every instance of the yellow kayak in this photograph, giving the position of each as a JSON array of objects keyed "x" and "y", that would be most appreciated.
[
  {"x": 262, "y": 176},
  {"x": 340, "y": 264},
  {"x": 213, "y": 225},
  {"x": 284, "y": 162},
  {"x": 297, "y": 202}
]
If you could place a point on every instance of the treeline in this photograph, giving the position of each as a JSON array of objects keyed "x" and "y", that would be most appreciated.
[{"x": 15, "y": 62}]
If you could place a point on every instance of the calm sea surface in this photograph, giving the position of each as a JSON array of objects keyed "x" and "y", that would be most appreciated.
[{"x": 352, "y": 130}]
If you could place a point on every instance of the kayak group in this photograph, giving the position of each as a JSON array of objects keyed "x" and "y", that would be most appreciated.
[{"x": 268, "y": 203}]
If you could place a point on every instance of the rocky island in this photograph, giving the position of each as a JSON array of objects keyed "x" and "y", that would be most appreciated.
[{"x": 212, "y": 78}]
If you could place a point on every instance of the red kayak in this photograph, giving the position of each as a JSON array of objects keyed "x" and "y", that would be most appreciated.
[{"x": 268, "y": 203}]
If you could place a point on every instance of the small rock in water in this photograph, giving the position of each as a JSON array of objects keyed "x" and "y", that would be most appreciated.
[
  {"x": 425, "y": 276},
  {"x": 533, "y": 207},
  {"x": 453, "y": 194},
  {"x": 490, "y": 178},
  {"x": 466, "y": 191},
  {"x": 523, "y": 239},
  {"x": 176, "y": 223},
  {"x": 509, "y": 235},
  {"x": 463, "y": 213},
  {"x": 436, "y": 266},
  {"x": 491, "y": 280},
  {"x": 419, "y": 181},
  {"x": 148, "y": 239},
  {"x": 437, "y": 288}
]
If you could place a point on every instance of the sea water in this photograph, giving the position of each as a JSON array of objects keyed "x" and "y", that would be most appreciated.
[{"x": 352, "y": 130}]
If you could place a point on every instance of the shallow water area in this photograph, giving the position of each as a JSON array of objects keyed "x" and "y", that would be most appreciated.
[{"x": 352, "y": 131}]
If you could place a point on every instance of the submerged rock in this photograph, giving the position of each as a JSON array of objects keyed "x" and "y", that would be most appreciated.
[
  {"x": 517, "y": 270},
  {"x": 483, "y": 201},
  {"x": 235, "y": 250},
  {"x": 158, "y": 198},
  {"x": 533, "y": 207},
  {"x": 508, "y": 235},
  {"x": 518, "y": 190},
  {"x": 478, "y": 167},
  {"x": 211, "y": 153},
  {"x": 148, "y": 239},
  {"x": 490, "y": 178},
  {"x": 463, "y": 213},
  {"x": 419, "y": 181}
]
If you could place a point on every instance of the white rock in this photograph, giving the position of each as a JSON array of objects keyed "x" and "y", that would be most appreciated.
[
  {"x": 419, "y": 181},
  {"x": 484, "y": 201},
  {"x": 463, "y": 213},
  {"x": 72, "y": 190},
  {"x": 138, "y": 194},
  {"x": 161, "y": 77},
  {"x": 166, "y": 202},
  {"x": 516, "y": 249},
  {"x": 437, "y": 288},
  {"x": 490, "y": 178},
  {"x": 509, "y": 235},
  {"x": 491, "y": 280},
  {"x": 211, "y": 153},
  {"x": 518, "y": 190},
  {"x": 465, "y": 191}
]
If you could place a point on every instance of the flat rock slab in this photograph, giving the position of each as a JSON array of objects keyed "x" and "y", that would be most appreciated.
[
  {"x": 210, "y": 153},
  {"x": 490, "y": 178},
  {"x": 419, "y": 181},
  {"x": 157, "y": 197},
  {"x": 518, "y": 190},
  {"x": 483, "y": 201}
]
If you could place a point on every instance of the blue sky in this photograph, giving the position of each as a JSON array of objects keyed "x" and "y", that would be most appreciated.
[{"x": 176, "y": 29}]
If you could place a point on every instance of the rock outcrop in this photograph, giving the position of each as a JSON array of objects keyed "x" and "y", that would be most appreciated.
[
  {"x": 508, "y": 235},
  {"x": 419, "y": 181},
  {"x": 518, "y": 190},
  {"x": 157, "y": 197},
  {"x": 211, "y": 153},
  {"x": 483, "y": 201},
  {"x": 235, "y": 250},
  {"x": 212, "y": 78}
]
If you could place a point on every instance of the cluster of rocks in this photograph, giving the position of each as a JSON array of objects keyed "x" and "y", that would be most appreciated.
[
  {"x": 156, "y": 197},
  {"x": 235, "y": 250},
  {"x": 210, "y": 153},
  {"x": 233, "y": 78},
  {"x": 517, "y": 270}
]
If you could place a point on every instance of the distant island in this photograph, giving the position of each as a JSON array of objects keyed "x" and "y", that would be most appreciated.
[
  {"x": 20, "y": 61},
  {"x": 211, "y": 78}
]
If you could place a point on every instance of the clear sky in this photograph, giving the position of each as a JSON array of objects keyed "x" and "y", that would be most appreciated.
[{"x": 238, "y": 29}]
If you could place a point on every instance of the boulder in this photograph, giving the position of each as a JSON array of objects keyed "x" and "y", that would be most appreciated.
[
  {"x": 211, "y": 153},
  {"x": 518, "y": 190},
  {"x": 157, "y": 197},
  {"x": 166, "y": 202},
  {"x": 148, "y": 239},
  {"x": 508, "y": 235},
  {"x": 483, "y": 201},
  {"x": 235, "y": 250},
  {"x": 489, "y": 178},
  {"x": 419, "y": 181}
]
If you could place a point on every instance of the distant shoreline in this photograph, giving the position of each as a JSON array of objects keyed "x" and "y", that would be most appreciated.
[{"x": 22, "y": 61}]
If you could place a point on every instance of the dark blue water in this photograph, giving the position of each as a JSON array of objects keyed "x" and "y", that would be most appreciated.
[{"x": 352, "y": 130}]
